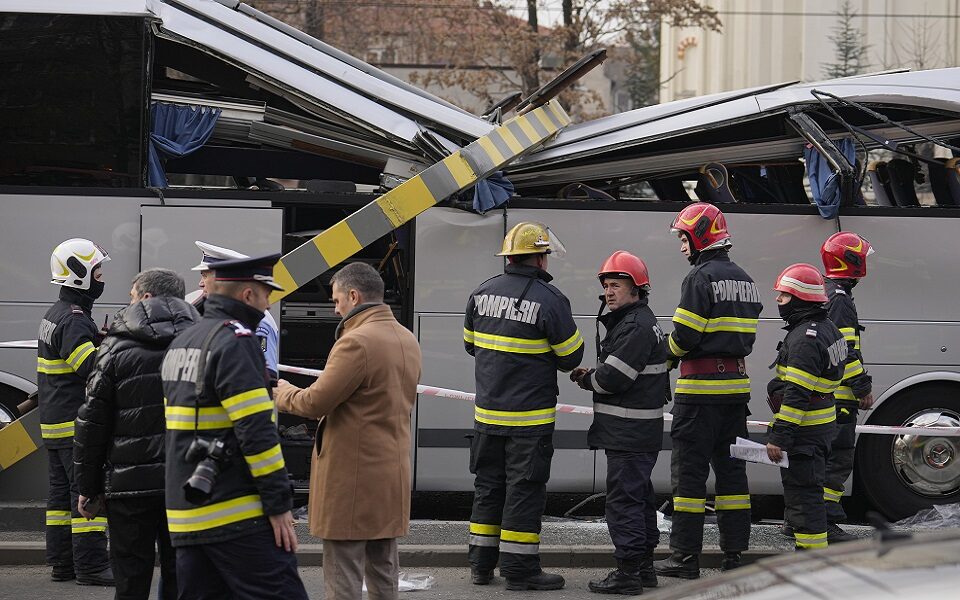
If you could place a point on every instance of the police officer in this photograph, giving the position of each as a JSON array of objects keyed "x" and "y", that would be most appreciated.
[
  {"x": 66, "y": 354},
  {"x": 267, "y": 332},
  {"x": 844, "y": 257},
  {"x": 714, "y": 329},
  {"x": 628, "y": 386},
  {"x": 228, "y": 496},
  {"x": 521, "y": 331},
  {"x": 810, "y": 365}
]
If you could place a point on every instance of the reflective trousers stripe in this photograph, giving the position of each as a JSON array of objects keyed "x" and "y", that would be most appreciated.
[
  {"x": 628, "y": 413},
  {"x": 832, "y": 495},
  {"x": 735, "y": 502},
  {"x": 53, "y": 431},
  {"x": 214, "y": 515},
  {"x": 517, "y": 548},
  {"x": 58, "y": 518},
  {"x": 484, "y": 529},
  {"x": 811, "y": 540},
  {"x": 484, "y": 540},
  {"x": 691, "y": 505},
  {"x": 82, "y": 525}
]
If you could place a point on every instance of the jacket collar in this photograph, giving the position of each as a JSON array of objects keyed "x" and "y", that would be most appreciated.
[
  {"x": 75, "y": 296},
  {"x": 217, "y": 306},
  {"x": 362, "y": 314},
  {"x": 155, "y": 320},
  {"x": 721, "y": 254},
  {"x": 814, "y": 313},
  {"x": 613, "y": 317},
  {"x": 527, "y": 271}
]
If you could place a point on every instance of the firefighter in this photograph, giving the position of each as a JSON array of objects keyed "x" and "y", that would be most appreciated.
[
  {"x": 66, "y": 353},
  {"x": 628, "y": 388},
  {"x": 810, "y": 365},
  {"x": 714, "y": 330},
  {"x": 844, "y": 257},
  {"x": 521, "y": 331},
  {"x": 228, "y": 496}
]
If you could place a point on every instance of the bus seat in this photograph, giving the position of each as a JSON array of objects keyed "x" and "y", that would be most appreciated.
[
  {"x": 952, "y": 174},
  {"x": 877, "y": 171},
  {"x": 787, "y": 180},
  {"x": 713, "y": 184},
  {"x": 670, "y": 190},
  {"x": 902, "y": 173},
  {"x": 582, "y": 191},
  {"x": 938, "y": 182}
]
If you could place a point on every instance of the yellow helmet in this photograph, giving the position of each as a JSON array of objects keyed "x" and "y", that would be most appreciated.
[{"x": 530, "y": 238}]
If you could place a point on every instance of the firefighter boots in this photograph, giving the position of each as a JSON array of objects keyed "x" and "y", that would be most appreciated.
[
  {"x": 836, "y": 534},
  {"x": 647, "y": 573},
  {"x": 731, "y": 561},
  {"x": 625, "y": 579},
  {"x": 480, "y": 576},
  {"x": 538, "y": 581},
  {"x": 678, "y": 564},
  {"x": 103, "y": 578}
]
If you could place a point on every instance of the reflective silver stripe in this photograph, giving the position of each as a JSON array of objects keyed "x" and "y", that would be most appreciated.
[
  {"x": 484, "y": 540},
  {"x": 215, "y": 515},
  {"x": 628, "y": 413},
  {"x": 515, "y": 548},
  {"x": 621, "y": 366},
  {"x": 655, "y": 369},
  {"x": 596, "y": 386}
]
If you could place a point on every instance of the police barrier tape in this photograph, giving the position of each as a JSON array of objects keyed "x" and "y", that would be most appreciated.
[{"x": 574, "y": 409}]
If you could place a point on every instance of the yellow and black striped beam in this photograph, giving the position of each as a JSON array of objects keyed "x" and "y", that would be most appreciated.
[
  {"x": 20, "y": 439},
  {"x": 391, "y": 210}
]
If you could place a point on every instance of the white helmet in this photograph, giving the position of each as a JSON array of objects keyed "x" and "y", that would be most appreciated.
[
  {"x": 214, "y": 254},
  {"x": 73, "y": 261}
]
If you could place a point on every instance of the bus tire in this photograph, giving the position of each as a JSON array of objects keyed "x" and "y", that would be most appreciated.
[
  {"x": 9, "y": 399},
  {"x": 901, "y": 475}
]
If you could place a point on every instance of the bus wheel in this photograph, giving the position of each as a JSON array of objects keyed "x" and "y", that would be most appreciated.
[
  {"x": 903, "y": 474},
  {"x": 9, "y": 399}
]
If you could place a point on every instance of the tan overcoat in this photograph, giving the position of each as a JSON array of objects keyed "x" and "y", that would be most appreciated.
[{"x": 360, "y": 480}]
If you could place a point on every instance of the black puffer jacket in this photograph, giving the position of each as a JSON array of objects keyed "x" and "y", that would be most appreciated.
[{"x": 118, "y": 445}]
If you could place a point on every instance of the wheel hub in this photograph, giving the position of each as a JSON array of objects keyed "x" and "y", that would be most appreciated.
[{"x": 929, "y": 465}]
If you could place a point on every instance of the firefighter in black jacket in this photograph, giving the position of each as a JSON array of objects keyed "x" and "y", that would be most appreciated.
[
  {"x": 714, "y": 329},
  {"x": 810, "y": 365},
  {"x": 628, "y": 385},
  {"x": 66, "y": 350},
  {"x": 844, "y": 257},
  {"x": 521, "y": 331},
  {"x": 228, "y": 496}
]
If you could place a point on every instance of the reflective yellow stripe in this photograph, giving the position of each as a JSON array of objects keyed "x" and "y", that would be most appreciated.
[
  {"x": 80, "y": 354},
  {"x": 509, "y": 418},
  {"x": 183, "y": 417},
  {"x": 569, "y": 346},
  {"x": 811, "y": 540},
  {"x": 689, "y": 319},
  {"x": 53, "y": 367},
  {"x": 81, "y": 525},
  {"x": 832, "y": 495},
  {"x": 58, "y": 518},
  {"x": 265, "y": 462},
  {"x": 732, "y": 502},
  {"x": 850, "y": 334},
  {"x": 502, "y": 343},
  {"x": 674, "y": 348},
  {"x": 247, "y": 403},
  {"x": 482, "y": 529},
  {"x": 713, "y": 386},
  {"x": 806, "y": 418},
  {"x": 806, "y": 380},
  {"x": 691, "y": 505},
  {"x": 468, "y": 335},
  {"x": 519, "y": 536},
  {"x": 852, "y": 369},
  {"x": 53, "y": 431},
  {"x": 214, "y": 515},
  {"x": 734, "y": 324},
  {"x": 844, "y": 393}
]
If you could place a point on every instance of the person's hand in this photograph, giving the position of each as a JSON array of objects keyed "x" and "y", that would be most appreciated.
[
  {"x": 774, "y": 453},
  {"x": 283, "y": 532},
  {"x": 866, "y": 403},
  {"x": 95, "y": 501},
  {"x": 578, "y": 373},
  {"x": 281, "y": 382}
]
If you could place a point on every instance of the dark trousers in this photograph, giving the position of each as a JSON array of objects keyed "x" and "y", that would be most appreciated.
[
  {"x": 508, "y": 501},
  {"x": 840, "y": 461},
  {"x": 702, "y": 435},
  {"x": 138, "y": 529},
  {"x": 631, "y": 506},
  {"x": 244, "y": 568},
  {"x": 803, "y": 496},
  {"x": 72, "y": 541}
]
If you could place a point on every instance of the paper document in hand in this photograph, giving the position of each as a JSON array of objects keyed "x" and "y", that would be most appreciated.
[{"x": 751, "y": 451}]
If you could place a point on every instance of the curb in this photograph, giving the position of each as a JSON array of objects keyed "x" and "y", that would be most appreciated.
[{"x": 311, "y": 555}]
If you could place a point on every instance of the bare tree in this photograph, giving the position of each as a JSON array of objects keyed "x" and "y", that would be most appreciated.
[{"x": 850, "y": 47}]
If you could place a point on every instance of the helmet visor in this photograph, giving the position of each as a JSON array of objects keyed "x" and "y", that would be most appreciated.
[{"x": 556, "y": 246}]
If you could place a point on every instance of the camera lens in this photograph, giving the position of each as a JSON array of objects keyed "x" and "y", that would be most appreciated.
[{"x": 198, "y": 487}]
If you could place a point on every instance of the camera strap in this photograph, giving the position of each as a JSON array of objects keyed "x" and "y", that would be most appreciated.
[{"x": 200, "y": 383}]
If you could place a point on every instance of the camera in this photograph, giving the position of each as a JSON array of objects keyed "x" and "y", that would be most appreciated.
[{"x": 212, "y": 454}]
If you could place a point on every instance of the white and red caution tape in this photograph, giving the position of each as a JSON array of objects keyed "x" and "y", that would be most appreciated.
[{"x": 574, "y": 409}]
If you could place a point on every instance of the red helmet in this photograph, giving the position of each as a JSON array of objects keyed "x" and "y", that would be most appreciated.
[
  {"x": 704, "y": 224},
  {"x": 845, "y": 255},
  {"x": 803, "y": 281},
  {"x": 623, "y": 265}
]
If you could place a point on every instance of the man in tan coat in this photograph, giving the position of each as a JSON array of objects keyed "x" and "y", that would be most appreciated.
[{"x": 360, "y": 477}]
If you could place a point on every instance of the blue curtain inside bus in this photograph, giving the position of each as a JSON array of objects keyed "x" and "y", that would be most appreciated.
[
  {"x": 824, "y": 181},
  {"x": 176, "y": 131},
  {"x": 491, "y": 192}
]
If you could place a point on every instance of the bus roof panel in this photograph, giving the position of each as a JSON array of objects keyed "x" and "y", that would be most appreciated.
[{"x": 118, "y": 8}]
